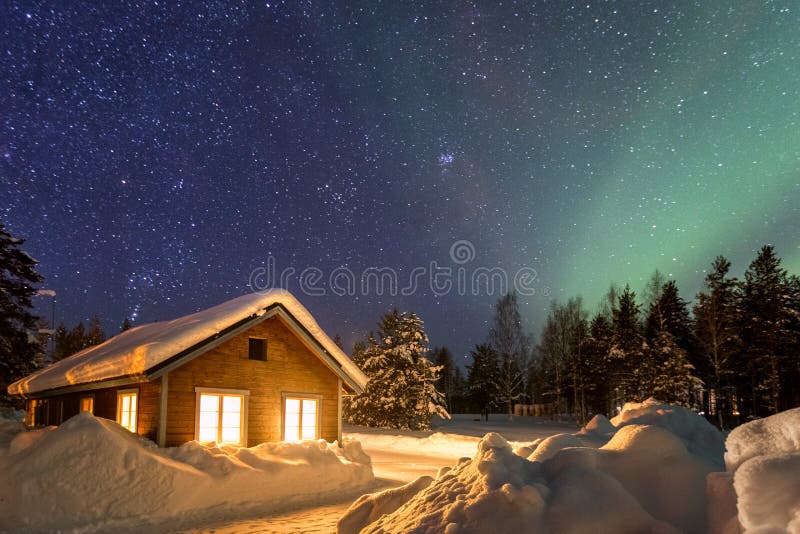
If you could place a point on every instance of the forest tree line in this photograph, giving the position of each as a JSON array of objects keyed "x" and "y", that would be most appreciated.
[{"x": 733, "y": 355}]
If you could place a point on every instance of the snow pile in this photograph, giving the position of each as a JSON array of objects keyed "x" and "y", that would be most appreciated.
[
  {"x": 599, "y": 426},
  {"x": 764, "y": 458},
  {"x": 699, "y": 436},
  {"x": 368, "y": 508},
  {"x": 91, "y": 471},
  {"x": 645, "y": 479},
  {"x": 139, "y": 349}
]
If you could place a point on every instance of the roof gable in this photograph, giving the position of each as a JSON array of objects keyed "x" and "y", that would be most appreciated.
[{"x": 150, "y": 349}]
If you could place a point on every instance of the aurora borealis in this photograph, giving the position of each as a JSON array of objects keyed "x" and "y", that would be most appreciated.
[{"x": 154, "y": 154}]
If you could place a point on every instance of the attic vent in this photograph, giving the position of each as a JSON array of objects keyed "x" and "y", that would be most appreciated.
[{"x": 258, "y": 349}]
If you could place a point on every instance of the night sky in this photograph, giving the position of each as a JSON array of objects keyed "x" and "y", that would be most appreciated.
[{"x": 154, "y": 154}]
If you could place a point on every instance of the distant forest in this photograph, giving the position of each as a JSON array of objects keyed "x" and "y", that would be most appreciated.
[{"x": 734, "y": 355}]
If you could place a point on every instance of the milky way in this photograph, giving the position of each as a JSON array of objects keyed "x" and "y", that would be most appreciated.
[{"x": 155, "y": 154}]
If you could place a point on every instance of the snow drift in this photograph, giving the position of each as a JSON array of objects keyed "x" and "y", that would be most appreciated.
[
  {"x": 91, "y": 471},
  {"x": 644, "y": 479},
  {"x": 763, "y": 459}
]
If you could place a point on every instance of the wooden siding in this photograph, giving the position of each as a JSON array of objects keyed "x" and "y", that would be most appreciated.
[
  {"x": 57, "y": 409},
  {"x": 290, "y": 367}
]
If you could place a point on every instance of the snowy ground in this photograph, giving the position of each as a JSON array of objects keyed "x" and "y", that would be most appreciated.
[
  {"x": 398, "y": 457},
  {"x": 654, "y": 468}
]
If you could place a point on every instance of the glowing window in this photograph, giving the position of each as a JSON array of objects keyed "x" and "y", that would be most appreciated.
[
  {"x": 221, "y": 418},
  {"x": 300, "y": 418},
  {"x": 87, "y": 404},
  {"x": 126, "y": 409}
]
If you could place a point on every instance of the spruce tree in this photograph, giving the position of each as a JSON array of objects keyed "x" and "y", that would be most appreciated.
[
  {"x": 670, "y": 338},
  {"x": 716, "y": 317},
  {"x": 631, "y": 369},
  {"x": 401, "y": 392},
  {"x": 19, "y": 346},
  {"x": 482, "y": 379},
  {"x": 673, "y": 379},
  {"x": 127, "y": 325},
  {"x": 442, "y": 358},
  {"x": 69, "y": 342},
  {"x": 765, "y": 330},
  {"x": 598, "y": 377}
]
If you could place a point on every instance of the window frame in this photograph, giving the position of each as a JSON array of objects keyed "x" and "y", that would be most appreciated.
[
  {"x": 264, "y": 352},
  {"x": 128, "y": 393},
  {"x": 301, "y": 397},
  {"x": 221, "y": 392},
  {"x": 90, "y": 398}
]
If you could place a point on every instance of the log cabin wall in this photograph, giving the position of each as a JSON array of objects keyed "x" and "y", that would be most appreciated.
[
  {"x": 290, "y": 367},
  {"x": 56, "y": 409}
]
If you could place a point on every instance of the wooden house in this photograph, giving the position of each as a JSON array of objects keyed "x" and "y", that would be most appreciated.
[{"x": 257, "y": 368}]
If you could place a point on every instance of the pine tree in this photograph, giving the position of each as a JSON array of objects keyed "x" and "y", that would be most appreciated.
[
  {"x": 442, "y": 358},
  {"x": 717, "y": 332},
  {"x": 765, "y": 329},
  {"x": 631, "y": 369},
  {"x": 126, "y": 325},
  {"x": 672, "y": 379},
  {"x": 95, "y": 334},
  {"x": 460, "y": 391},
  {"x": 670, "y": 313},
  {"x": 69, "y": 342},
  {"x": 598, "y": 378},
  {"x": 509, "y": 342},
  {"x": 670, "y": 338},
  {"x": 401, "y": 391},
  {"x": 790, "y": 379},
  {"x": 482, "y": 379},
  {"x": 19, "y": 347}
]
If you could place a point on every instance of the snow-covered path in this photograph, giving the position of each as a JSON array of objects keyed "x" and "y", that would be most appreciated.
[{"x": 397, "y": 457}]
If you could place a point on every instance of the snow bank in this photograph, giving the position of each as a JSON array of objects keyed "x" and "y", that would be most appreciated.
[
  {"x": 699, "y": 436},
  {"x": 92, "y": 472},
  {"x": 764, "y": 458},
  {"x": 599, "y": 426},
  {"x": 645, "y": 479},
  {"x": 368, "y": 508},
  {"x": 777, "y": 434}
]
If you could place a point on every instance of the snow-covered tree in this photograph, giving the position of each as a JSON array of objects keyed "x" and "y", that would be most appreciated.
[
  {"x": 401, "y": 392},
  {"x": 19, "y": 346},
  {"x": 668, "y": 329},
  {"x": 673, "y": 379}
]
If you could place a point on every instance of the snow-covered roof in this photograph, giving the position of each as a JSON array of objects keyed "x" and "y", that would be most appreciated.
[{"x": 142, "y": 349}]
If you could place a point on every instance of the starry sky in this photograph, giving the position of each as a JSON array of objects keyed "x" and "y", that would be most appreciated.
[{"x": 154, "y": 154}]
